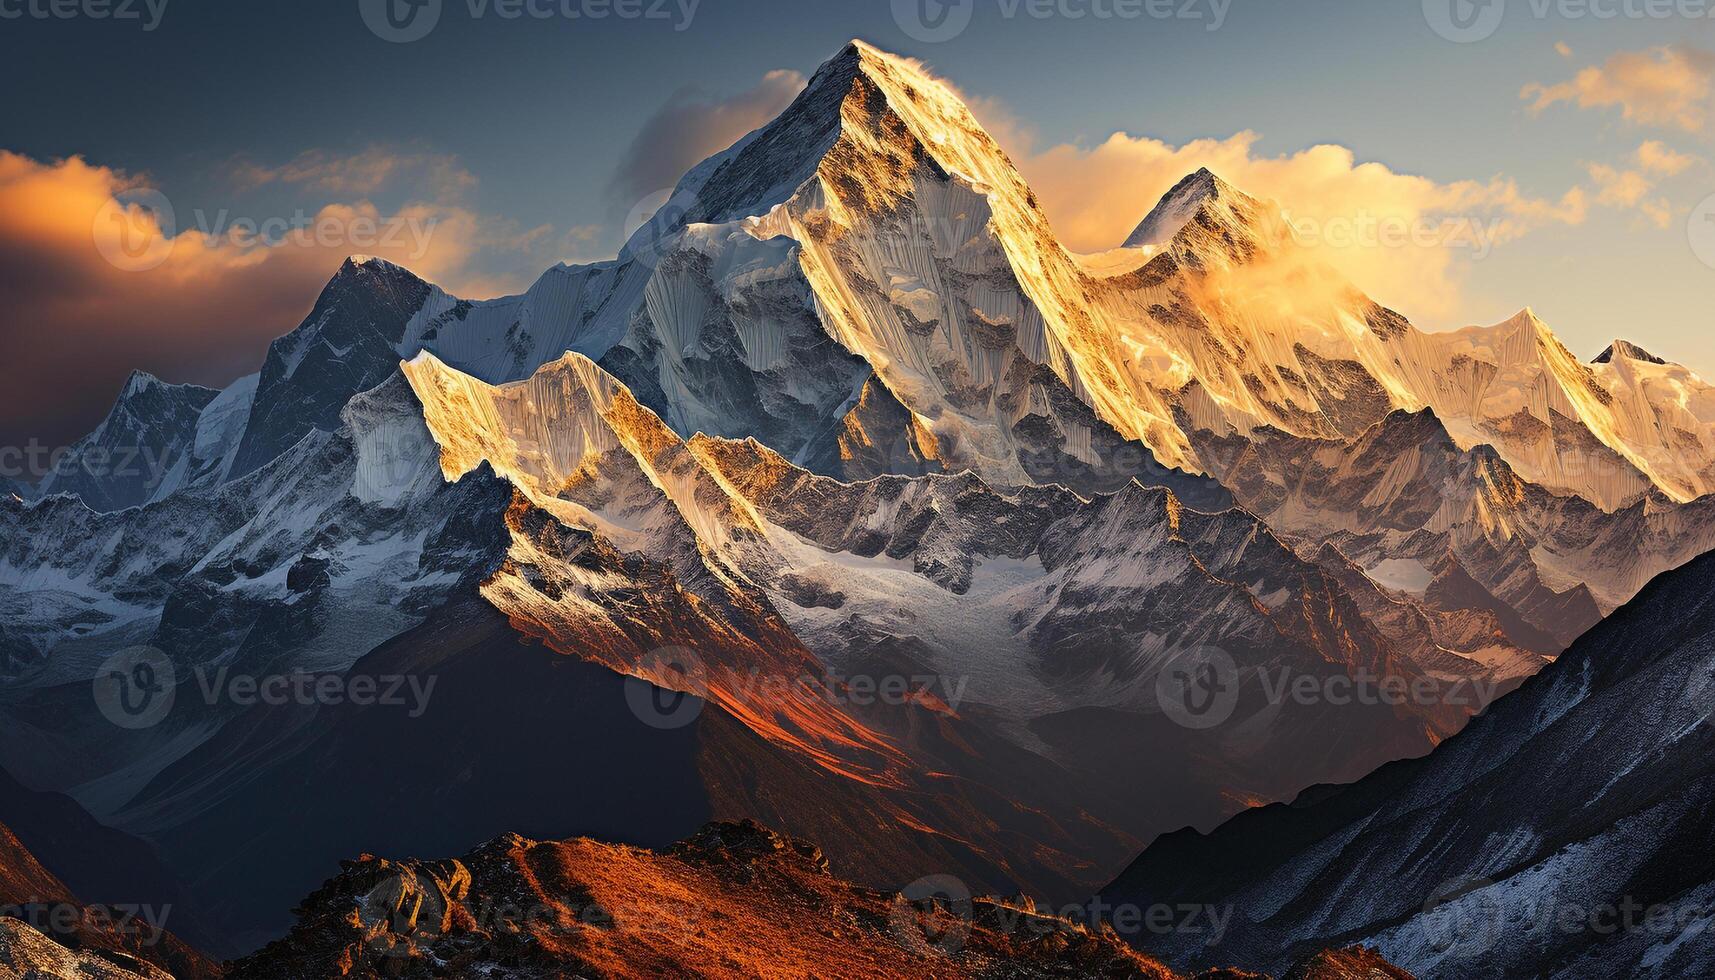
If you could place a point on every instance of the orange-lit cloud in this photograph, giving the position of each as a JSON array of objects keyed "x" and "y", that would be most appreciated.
[
  {"x": 1659, "y": 212},
  {"x": 1659, "y": 158},
  {"x": 1095, "y": 196},
  {"x": 1618, "y": 188},
  {"x": 1628, "y": 187},
  {"x": 196, "y": 298},
  {"x": 1666, "y": 86}
]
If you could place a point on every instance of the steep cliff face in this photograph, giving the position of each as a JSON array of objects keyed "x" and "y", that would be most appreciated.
[
  {"x": 301, "y": 567},
  {"x": 867, "y": 286}
]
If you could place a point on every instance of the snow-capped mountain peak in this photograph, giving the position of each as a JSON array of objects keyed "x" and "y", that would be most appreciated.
[
  {"x": 1177, "y": 207},
  {"x": 846, "y": 96},
  {"x": 138, "y": 382},
  {"x": 1626, "y": 349},
  {"x": 1207, "y": 223},
  {"x": 579, "y": 445},
  {"x": 141, "y": 450}
]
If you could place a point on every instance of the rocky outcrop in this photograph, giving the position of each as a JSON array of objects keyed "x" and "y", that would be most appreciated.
[{"x": 733, "y": 900}]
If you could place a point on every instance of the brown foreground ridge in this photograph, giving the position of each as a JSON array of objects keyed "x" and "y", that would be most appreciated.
[{"x": 734, "y": 900}]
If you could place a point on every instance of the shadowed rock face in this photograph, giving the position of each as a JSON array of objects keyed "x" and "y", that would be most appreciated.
[
  {"x": 586, "y": 521},
  {"x": 733, "y": 900},
  {"x": 347, "y": 344}
]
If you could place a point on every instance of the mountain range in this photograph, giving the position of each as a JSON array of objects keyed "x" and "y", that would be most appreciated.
[{"x": 847, "y": 499}]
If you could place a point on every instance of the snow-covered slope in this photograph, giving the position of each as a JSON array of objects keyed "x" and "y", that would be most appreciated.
[
  {"x": 877, "y": 213},
  {"x": 929, "y": 259},
  {"x": 1418, "y": 512},
  {"x": 1565, "y": 833},
  {"x": 347, "y": 344},
  {"x": 867, "y": 286},
  {"x": 1036, "y": 616},
  {"x": 1663, "y": 415},
  {"x": 1043, "y": 604}
]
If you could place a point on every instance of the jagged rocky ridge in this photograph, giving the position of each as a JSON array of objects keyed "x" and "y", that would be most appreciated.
[
  {"x": 345, "y": 539},
  {"x": 146, "y": 448}
]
